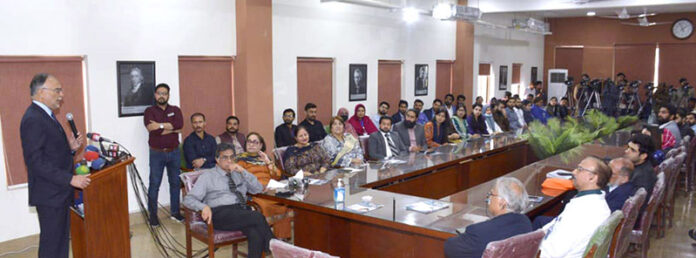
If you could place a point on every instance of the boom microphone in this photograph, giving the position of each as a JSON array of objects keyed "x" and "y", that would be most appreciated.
[
  {"x": 97, "y": 137},
  {"x": 69, "y": 116}
]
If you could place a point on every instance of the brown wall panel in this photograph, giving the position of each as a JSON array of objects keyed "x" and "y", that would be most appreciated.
[
  {"x": 463, "y": 67},
  {"x": 443, "y": 78},
  {"x": 637, "y": 61},
  {"x": 484, "y": 69},
  {"x": 389, "y": 83},
  {"x": 598, "y": 62},
  {"x": 516, "y": 73},
  {"x": 676, "y": 61},
  {"x": 315, "y": 84},
  {"x": 205, "y": 85},
  {"x": 16, "y": 73},
  {"x": 571, "y": 59}
]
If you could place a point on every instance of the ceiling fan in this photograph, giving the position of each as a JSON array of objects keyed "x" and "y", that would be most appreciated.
[
  {"x": 643, "y": 22},
  {"x": 624, "y": 15}
]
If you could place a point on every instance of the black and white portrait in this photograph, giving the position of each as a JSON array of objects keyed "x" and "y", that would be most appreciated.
[
  {"x": 502, "y": 81},
  {"x": 534, "y": 74},
  {"x": 421, "y": 82},
  {"x": 358, "y": 82},
  {"x": 136, "y": 87}
]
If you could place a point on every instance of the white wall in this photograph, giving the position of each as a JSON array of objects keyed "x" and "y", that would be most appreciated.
[
  {"x": 353, "y": 34},
  {"x": 104, "y": 32},
  {"x": 505, "y": 47}
]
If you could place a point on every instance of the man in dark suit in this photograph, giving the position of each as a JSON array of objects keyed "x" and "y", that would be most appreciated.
[
  {"x": 506, "y": 201},
  {"x": 640, "y": 148},
  {"x": 384, "y": 143},
  {"x": 411, "y": 133},
  {"x": 48, "y": 155},
  {"x": 619, "y": 188},
  {"x": 401, "y": 112}
]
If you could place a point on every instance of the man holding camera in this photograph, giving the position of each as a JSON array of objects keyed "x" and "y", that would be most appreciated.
[{"x": 685, "y": 93}]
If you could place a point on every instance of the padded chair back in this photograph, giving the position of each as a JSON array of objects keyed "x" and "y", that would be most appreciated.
[
  {"x": 630, "y": 210},
  {"x": 601, "y": 239},
  {"x": 655, "y": 199},
  {"x": 280, "y": 249},
  {"x": 363, "y": 144},
  {"x": 523, "y": 245},
  {"x": 671, "y": 153},
  {"x": 279, "y": 153},
  {"x": 189, "y": 179},
  {"x": 674, "y": 175}
]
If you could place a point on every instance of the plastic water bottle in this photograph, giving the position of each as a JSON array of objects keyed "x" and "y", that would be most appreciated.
[{"x": 340, "y": 191}]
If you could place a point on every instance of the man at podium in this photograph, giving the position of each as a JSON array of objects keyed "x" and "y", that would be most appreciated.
[{"x": 48, "y": 155}]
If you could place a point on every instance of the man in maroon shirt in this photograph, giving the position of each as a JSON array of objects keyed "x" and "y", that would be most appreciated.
[{"x": 164, "y": 123}]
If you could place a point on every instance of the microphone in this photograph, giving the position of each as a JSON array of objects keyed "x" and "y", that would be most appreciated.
[
  {"x": 91, "y": 155},
  {"x": 97, "y": 137},
  {"x": 98, "y": 164},
  {"x": 69, "y": 116},
  {"x": 92, "y": 148}
]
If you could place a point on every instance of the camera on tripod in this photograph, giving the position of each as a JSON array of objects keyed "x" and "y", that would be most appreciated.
[
  {"x": 635, "y": 84},
  {"x": 569, "y": 82},
  {"x": 596, "y": 84},
  {"x": 649, "y": 86}
]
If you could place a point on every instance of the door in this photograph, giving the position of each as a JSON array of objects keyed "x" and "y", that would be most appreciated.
[
  {"x": 315, "y": 85},
  {"x": 389, "y": 84},
  {"x": 443, "y": 81}
]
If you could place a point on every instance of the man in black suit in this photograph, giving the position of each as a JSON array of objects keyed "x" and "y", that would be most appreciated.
[
  {"x": 506, "y": 201},
  {"x": 401, "y": 112},
  {"x": 385, "y": 143},
  {"x": 619, "y": 188},
  {"x": 640, "y": 148},
  {"x": 48, "y": 155},
  {"x": 412, "y": 134}
]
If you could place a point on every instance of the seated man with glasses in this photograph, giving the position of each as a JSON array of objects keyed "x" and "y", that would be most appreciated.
[
  {"x": 220, "y": 195},
  {"x": 568, "y": 234},
  {"x": 506, "y": 202}
]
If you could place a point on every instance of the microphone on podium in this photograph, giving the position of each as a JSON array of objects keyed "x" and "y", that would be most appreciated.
[{"x": 97, "y": 137}]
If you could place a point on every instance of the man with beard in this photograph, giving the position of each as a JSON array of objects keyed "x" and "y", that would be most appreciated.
[
  {"x": 232, "y": 135},
  {"x": 411, "y": 133},
  {"x": 691, "y": 121},
  {"x": 670, "y": 130},
  {"x": 164, "y": 123},
  {"x": 284, "y": 133},
  {"x": 199, "y": 147},
  {"x": 385, "y": 143},
  {"x": 418, "y": 106},
  {"x": 684, "y": 128},
  {"x": 314, "y": 127},
  {"x": 500, "y": 117},
  {"x": 382, "y": 110},
  {"x": 400, "y": 114},
  {"x": 428, "y": 114},
  {"x": 451, "y": 109},
  {"x": 511, "y": 115},
  {"x": 519, "y": 111}
]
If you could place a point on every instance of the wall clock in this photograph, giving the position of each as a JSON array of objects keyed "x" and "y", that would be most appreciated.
[{"x": 682, "y": 28}]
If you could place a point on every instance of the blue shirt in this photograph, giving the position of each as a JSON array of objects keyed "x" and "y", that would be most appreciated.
[
  {"x": 540, "y": 114},
  {"x": 195, "y": 148}
]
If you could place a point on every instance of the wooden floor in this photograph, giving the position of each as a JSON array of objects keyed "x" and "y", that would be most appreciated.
[{"x": 676, "y": 242}]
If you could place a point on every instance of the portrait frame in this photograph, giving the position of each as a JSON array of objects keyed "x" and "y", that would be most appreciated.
[
  {"x": 420, "y": 81},
  {"x": 502, "y": 80},
  {"x": 132, "y": 100},
  {"x": 357, "y": 82}
]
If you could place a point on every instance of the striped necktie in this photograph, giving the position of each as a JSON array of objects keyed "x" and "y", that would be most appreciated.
[
  {"x": 392, "y": 147},
  {"x": 233, "y": 189}
]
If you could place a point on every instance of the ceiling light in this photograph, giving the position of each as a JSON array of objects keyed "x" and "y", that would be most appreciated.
[
  {"x": 591, "y": 13},
  {"x": 410, "y": 14},
  {"x": 443, "y": 11}
]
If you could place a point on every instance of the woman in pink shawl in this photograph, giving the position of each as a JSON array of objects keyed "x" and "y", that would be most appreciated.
[{"x": 362, "y": 124}]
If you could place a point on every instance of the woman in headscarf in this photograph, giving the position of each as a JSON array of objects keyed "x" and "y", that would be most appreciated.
[
  {"x": 362, "y": 124},
  {"x": 342, "y": 147},
  {"x": 257, "y": 163},
  {"x": 476, "y": 122},
  {"x": 311, "y": 158},
  {"x": 348, "y": 128},
  {"x": 439, "y": 130},
  {"x": 460, "y": 123}
]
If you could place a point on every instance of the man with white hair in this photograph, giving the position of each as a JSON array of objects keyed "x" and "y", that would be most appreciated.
[{"x": 506, "y": 202}]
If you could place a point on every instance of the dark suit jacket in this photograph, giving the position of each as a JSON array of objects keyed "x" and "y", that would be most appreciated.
[
  {"x": 473, "y": 242},
  {"x": 617, "y": 198},
  {"x": 401, "y": 129},
  {"x": 396, "y": 117},
  {"x": 644, "y": 176},
  {"x": 48, "y": 159},
  {"x": 377, "y": 146}
]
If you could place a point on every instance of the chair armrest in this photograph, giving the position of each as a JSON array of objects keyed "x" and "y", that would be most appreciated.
[{"x": 255, "y": 206}]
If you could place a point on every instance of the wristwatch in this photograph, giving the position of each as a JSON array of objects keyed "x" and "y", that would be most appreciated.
[{"x": 161, "y": 126}]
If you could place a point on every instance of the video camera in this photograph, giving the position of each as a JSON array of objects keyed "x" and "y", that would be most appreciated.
[
  {"x": 649, "y": 86},
  {"x": 596, "y": 84},
  {"x": 635, "y": 84},
  {"x": 569, "y": 82}
]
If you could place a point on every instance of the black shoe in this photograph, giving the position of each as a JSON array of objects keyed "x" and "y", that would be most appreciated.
[
  {"x": 691, "y": 234},
  {"x": 154, "y": 222},
  {"x": 177, "y": 218}
]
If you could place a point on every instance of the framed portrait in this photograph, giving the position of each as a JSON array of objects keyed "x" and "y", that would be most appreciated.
[
  {"x": 357, "y": 82},
  {"x": 136, "y": 87},
  {"x": 421, "y": 80},
  {"x": 502, "y": 80},
  {"x": 534, "y": 74}
]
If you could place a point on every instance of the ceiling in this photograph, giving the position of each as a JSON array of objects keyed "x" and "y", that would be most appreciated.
[{"x": 567, "y": 8}]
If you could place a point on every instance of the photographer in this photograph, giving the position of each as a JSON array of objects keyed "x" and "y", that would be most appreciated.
[
  {"x": 621, "y": 80},
  {"x": 685, "y": 93},
  {"x": 661, "y": 97},
  {"x": 610, "y": 95}
]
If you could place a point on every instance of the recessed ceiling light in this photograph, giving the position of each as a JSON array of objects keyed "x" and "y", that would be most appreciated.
[
  {"x": 591, "y": 13},
  {"x": 410, "y": 14}
]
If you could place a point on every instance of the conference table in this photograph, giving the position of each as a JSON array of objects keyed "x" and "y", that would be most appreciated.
[{"x": 458, "y": 175}]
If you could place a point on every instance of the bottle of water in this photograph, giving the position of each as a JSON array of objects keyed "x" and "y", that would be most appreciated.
[{"x": 340, "y": 191}]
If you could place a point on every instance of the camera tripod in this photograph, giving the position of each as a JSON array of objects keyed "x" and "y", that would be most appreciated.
[
  {"x": 591, "y": 100},
  {"x": 633, "y": 105}
]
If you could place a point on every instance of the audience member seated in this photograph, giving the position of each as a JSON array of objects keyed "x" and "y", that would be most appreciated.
[
  {"x": 314, "y": 127},
  {"x": 308, "y": 157},
  {"x": 449, "y": 105},
  {"x": 500, "y": 117},
  {"x": 385, "y": 143},
  {"x": 199, "y": 147},
  {"x": 411, "y": 133},
  {"x": 460, "y": 123},
  {"x": 440, "y": 130},
  {"x": 563, "y": 108},
  {"x": 506, "y": 202},
  {"x": 478, "y": 100},
  {"x": 220, "y": 195},
  {"x": 232, "y": 134},
  {"x": 362, "y": 124},
  {"x": 519, "y": 111},
  {"x": 527, "y": 111},
  {"x": 428, "y": 114},
  {"x": 342, "y": 147},
  {"x": 684, "y": 128},
  {"x": 256, "y": 162},
  {"x": 492, "y": 126},
  {"x": 691, "y": 121},
  {"x": 400, "y": 114},
  {"x": 640, "y": 148},
  {"x": 285, "y": 132},
  {"x": 620, "y": 188},
  {"x": 510, "y": 115},
  {"x": 461, "y": 101},
  {"x": 476, "y": 122},
  {"x": 538, "y": 111},
  {"x": 553, "y": 108},
  {"x": 418, "y": 106},
  {"x": 568, "y": 234},
  {"x": 382, "y": 110},
  {"x": 343, "y": 114},
  {"x": 670, "y": 129}
]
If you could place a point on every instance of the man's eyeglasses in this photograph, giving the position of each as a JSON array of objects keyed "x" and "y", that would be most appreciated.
[
  {"x": 56, "y": 90},
  {"x": 579, "y": 168},
  {"x": 226, "y": 158}
]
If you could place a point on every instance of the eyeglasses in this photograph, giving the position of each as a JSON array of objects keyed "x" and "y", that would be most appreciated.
[
  {"x": 579, "y": 168},
  {"x": 226, "y": 158},
  {"x": 489, "y": 195},
  {"x": 254, "y": 142},
  {"x": 56, "y": 90}
]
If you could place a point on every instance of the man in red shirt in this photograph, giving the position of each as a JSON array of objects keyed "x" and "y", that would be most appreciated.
[{"x": 164, "y": 123}]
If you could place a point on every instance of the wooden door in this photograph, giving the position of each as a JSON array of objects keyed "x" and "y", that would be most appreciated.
[
  {"x": 389, "y": 84},
  {"x": 443, "y": 82},
  {"x": 315, "y": 85}
]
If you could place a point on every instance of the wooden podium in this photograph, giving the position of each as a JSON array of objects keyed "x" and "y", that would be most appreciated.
[{"x": 103, "y": 231}]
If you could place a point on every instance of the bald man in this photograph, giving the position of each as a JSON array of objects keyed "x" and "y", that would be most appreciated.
[{"x": 620, "y": 188}]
